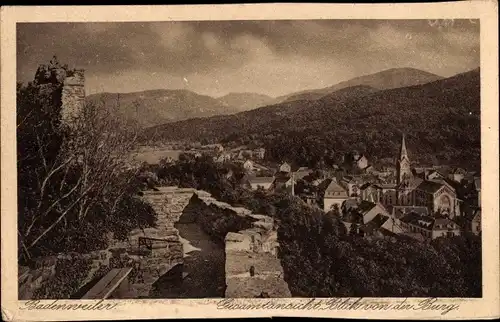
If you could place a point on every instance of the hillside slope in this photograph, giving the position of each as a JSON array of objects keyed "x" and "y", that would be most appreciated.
[
  {"x": 153, "y": 107},
  {"x": 245, "y": 101},
  {"x": 386, "y": 79},
  {"x": 440, "y": 119}
]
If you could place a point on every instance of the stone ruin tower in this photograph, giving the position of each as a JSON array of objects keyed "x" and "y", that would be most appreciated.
[
  {"x": 73, "y": 95},
  {"x": 71, "y": 83}
]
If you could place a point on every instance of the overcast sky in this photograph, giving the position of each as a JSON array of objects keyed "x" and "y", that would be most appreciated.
[{"x": 268, "y": 57}]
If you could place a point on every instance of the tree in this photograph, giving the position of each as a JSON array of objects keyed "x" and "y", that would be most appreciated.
[{"x": 69, "y": 171}]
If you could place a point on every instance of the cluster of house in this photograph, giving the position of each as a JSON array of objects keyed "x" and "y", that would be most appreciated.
[
  {"x": 219, "y": 154},
  {"x": 239, "y": 154},
  {"x": 284, "y": 178},
  {"x": 421, "y": 203},
  {"x": 399, "y": 201}
]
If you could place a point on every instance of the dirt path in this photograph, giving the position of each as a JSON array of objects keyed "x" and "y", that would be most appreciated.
[{"x": 203, "y": 268}]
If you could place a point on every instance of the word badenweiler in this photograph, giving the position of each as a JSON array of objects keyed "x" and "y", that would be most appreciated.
[
  {"x": 36, "y": 305},
  {"x": 430, "y": 304}
]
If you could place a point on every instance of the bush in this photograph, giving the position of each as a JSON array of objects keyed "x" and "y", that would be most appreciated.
[{"x": 68, "y": 279}]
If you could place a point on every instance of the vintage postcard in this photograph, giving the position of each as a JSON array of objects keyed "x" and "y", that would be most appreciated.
[{"x": 256, "y": 160}]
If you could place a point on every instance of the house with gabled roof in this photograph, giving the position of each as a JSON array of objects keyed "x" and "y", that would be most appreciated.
[
  {"x": 457, "y": 174},
  {"x": 335, "y": 194},
  {"x": 371, "y": 192},
  {"x": 370, "y": 210},
  {"x": 352, "y": 184},
  {"x": 471, "y": 220},
  {"x": 434, "y": 174},
  {"x": 285, "y": 167},
  {"x": 263, "y": 182},
  {"x": 373, "y": 227},
  {"x": 427, "y": 227},
  {"x": 223, "y": 157},
  {"x": 301, "y": 173},
  {"x": 259, "y": 153}
]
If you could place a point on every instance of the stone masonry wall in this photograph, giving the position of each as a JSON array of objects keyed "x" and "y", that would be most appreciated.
[
  {"x": 168, "y": 203},
  {"x": 73, "y": 95},
  {"x": 252, "y": 268},
  {"x": 148, "y": 266}
]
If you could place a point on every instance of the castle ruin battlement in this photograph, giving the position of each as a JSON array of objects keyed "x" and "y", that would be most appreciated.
[{"x": 73, "y": 95}]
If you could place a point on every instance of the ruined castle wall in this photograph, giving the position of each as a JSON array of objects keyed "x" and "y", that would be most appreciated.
[
  {"x": 73, "y": 95},
  {"x": 252, "y": 267},
  {"x": 216, "y": 218},
  {"x": 246, "y": 240}
]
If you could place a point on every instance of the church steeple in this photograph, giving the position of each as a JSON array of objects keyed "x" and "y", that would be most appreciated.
[
  {"x": 403, "y": 165},
  {"x": 403, "y": 153}
]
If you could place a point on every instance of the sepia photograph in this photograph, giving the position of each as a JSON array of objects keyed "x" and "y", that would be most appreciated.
[
  {"x": 212, "y": 159},
  {"x": 240, "y": 159}
]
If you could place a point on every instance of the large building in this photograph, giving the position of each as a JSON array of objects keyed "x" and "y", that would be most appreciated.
[
  {"x": 335, "y": 194},
  {"x": 412, "y": 190},
  {"x": 437, "y": 195}
]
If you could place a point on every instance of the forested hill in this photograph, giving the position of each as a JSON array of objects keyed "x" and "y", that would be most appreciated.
[
  {"x": 245, "y": 101},
  {"x": 440, "y": 119},
  {"x": 386, "y": 79},
  {"x": 153, "y": 107}
]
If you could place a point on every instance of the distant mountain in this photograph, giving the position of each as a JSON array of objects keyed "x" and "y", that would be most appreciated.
[
  {"x": 153, "y": 107},
  {"x": 440, "y": 119},
  {"x": 240, "y": 102},
  {"x": 387, "y": 79}
]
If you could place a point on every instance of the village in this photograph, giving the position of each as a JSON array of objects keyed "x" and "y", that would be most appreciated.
[
  {"x": 167, "y": 193},
  {"x": 421, "y": 203}
]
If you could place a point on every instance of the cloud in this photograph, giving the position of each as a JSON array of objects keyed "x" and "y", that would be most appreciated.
[{"x": 272, "y": 57}]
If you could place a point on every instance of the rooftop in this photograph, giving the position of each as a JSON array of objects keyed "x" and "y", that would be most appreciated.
[
  {"x": 428, "y": 222},
  {"x": 301, "y": 173},
  {"x": 374, "y": 224},
  {"x": 399, "y": 211},
  {"x": 366, "y": 206},
  {"x": 335, "y": 187},
  {"x": 281, "y": 179},
  {"x": 429, "y": 186},
  {"x": 257, "y": 180}
]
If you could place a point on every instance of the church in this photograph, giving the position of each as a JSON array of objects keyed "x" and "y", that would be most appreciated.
[{"x": 438, "y": 196}]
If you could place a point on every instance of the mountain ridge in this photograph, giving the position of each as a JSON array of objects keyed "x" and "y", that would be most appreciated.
[
  {"x": 445, "y": 111},
  {"x": 242, "y": 101},
  {"x": 158, "y": 106},
  {"x": 385, "y": 79}
]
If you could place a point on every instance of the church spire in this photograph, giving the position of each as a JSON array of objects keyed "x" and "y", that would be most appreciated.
[
  {"x": 403, "y": 164},
  {"x": 404, "y": 153}
]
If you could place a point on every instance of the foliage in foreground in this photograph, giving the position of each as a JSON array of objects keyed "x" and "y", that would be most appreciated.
[
  {"x": 68, "y": 278},
  {"x": 74, "y": 187},
  {"x": 320, "y": 258}
]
